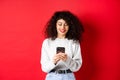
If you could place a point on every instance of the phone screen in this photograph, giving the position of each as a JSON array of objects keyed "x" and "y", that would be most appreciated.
[{"x": 60, "y": 49}]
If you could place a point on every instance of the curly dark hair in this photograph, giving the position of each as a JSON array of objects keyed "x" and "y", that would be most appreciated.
[{"x": 75, "y": 26}]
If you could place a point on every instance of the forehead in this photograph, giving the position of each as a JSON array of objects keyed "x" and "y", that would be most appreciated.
[{"x": 61, "y": 21}]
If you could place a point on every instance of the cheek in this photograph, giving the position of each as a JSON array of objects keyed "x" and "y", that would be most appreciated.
[
  {"x": 67, "y": 28},
  {"x": 57, "y": 28}
]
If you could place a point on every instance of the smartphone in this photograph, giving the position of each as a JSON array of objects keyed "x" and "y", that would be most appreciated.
[{"x": 60, "y": 49}]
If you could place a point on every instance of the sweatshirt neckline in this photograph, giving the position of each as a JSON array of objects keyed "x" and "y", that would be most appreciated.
[{"x": 61, "y": 38}]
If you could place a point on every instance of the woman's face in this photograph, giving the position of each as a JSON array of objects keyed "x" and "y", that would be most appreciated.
[{"x": 62, "y": 28}]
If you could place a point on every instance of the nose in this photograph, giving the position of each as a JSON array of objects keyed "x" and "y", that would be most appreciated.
[{"x": 63, "y": 26}]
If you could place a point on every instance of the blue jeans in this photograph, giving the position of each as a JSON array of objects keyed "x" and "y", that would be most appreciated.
[{"x": 56, "y": 76}]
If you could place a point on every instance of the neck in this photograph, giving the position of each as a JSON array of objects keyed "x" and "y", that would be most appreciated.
[{"x": 61, "y": 37}]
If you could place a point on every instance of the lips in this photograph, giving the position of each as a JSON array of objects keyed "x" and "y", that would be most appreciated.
[{"x": 62, "y": 30}]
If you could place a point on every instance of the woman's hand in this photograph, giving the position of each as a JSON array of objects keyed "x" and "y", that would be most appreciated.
[
  {"x": 56, "y": 58},
  {"x": 59, "y": 56},
  {"x": 63, "y": 56}
]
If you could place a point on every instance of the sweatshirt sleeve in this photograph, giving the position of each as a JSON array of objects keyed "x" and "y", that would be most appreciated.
[
  {"x": 75, "y": 62},
  {"x": 46, "y": 63}
]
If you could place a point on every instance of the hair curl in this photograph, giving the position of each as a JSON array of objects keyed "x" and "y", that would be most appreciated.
[{"x": 75, "y": 26}]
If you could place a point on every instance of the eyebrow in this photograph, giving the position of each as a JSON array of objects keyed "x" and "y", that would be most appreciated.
[{"x": 61, "y": 22}]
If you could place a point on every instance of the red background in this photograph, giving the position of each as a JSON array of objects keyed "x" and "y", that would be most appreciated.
[{"x": 21, "y": 35}]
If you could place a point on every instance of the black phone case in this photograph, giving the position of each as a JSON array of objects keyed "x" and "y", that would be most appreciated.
[{"x": 60, "y": 49}]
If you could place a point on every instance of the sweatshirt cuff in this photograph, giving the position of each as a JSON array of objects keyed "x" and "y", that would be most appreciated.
[
  {"x": 52, "y": 65},
  {"x": 68, "y": 61}
]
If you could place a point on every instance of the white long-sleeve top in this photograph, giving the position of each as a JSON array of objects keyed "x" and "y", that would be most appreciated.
[{"x": 72, "y": 49}]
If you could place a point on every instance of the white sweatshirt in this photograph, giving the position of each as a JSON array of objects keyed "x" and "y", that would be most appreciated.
[{"x": 72, "y": 49}]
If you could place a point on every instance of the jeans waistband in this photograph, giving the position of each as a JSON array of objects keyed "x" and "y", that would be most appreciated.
[{"x": 61, "y": 71}]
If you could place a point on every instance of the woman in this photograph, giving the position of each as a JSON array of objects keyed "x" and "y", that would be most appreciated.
[{"x": 61, "y": 52}]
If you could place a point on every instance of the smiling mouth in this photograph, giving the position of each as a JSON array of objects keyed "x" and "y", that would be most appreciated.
[{"x": 62, "y": 31}]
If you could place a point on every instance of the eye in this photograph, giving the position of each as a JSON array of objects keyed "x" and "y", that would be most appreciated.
[
  {"x": 66, "y": 24},
  {"x": 59, "y": 23}
]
